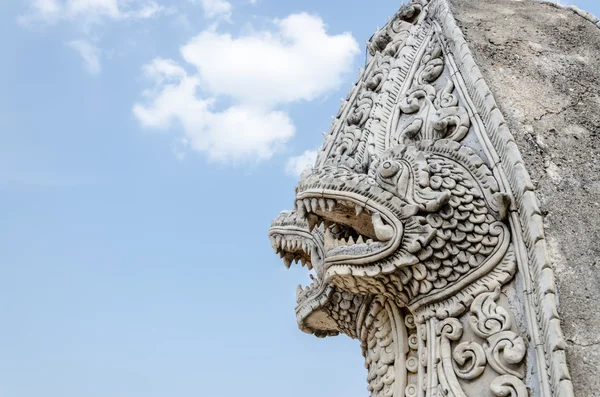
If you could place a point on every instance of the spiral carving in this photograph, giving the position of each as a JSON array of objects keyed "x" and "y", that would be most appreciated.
[
  {"x": 470, "y": 360},
  {"x": 505, "y": 349},
  {"x": 508, "y": 386}
]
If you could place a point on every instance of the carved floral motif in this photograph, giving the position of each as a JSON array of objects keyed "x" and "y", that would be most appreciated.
[{"x": 426, "y": 112}]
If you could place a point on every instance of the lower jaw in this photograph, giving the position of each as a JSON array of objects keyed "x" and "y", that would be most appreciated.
[{"x": 316, "y": 299}]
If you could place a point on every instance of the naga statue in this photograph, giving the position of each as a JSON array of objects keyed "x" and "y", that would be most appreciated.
[{"x": 421, "y": 227}]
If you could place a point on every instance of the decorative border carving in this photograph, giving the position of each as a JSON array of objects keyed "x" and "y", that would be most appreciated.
[{"x": 525, "y": 218}]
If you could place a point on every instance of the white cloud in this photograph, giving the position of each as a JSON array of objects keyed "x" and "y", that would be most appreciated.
[
  {"x": 148, "y": 10},
  {"x": 89, "y": 53},
  {"x": 240, "y": 133},
  {"x": 256, "y": 73},
  {"x": 299, "y": 60},
  {"x": 216, "y": 9},
  {"x": 298, "y": 164},
  {"x": 88, "y": 11}
]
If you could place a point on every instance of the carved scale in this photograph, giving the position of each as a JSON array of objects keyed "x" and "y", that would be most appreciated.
[{"x": 420, "y": 223}]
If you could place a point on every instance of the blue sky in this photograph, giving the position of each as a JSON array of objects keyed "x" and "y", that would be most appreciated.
[{"x": 144, "y": 148}]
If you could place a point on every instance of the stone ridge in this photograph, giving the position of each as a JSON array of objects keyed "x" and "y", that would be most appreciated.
[
  {"x": 541, "y": 63},
  {"x": 584, "y": 14},
  {"x": 540, "y": 303}
]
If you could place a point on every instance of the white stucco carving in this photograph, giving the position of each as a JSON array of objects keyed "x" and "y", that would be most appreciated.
[{"x": 419, "y": 220}]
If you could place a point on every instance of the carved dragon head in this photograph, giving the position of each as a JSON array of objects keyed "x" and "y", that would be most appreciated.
[
  {"x": 421, "y": 223},
  {"x": 394, "y": 206},
  {"x": 421, "y": 219}
]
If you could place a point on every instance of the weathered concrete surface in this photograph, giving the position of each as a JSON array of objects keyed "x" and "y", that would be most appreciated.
[{"x": 543, "y": 65}]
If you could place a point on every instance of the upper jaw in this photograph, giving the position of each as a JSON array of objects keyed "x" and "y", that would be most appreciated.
[{"x": 358, "y": 228}]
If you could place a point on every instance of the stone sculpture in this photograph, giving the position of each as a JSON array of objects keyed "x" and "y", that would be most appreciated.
[{"x": 423, "y": 230}]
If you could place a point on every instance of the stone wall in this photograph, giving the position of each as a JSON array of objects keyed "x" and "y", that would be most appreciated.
[{"x": 543, "y": 65}]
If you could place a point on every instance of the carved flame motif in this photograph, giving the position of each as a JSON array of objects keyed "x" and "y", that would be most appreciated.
[{"x": 487, "y": 318}]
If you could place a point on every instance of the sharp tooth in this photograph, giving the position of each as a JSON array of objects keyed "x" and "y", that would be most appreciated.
[
  {"x": 327, "y": 223},
  {"x": 330, "y": 205},
  {"x": 287, "y": 261},
  {"x": 273, "y": 242},
  {"x": 359, "y": 209},
  {"x": 360, "y": 240},
  {"x": 314, "y": 204},
  {"x": 301, "y": 209},
  {"x": 309, "y": 265},
  {"x": 382, "y": 231},
  {"x": 304, "y": 246},
  {"x": 278, "y": 240},
  {"x": 312, "y": 220},
  {"x": 328, "y": 239},
  {"x": 307, "y": 205},
  {"x": 331, "y": 242},
  {"x": 322, "y": 204},
  {"x": 281, "y": 254},
  {"x": 369, "y": 240},
  {"x": 336, "y": 228},
  {"x": 350, "y": 240},
  {"x": 303, "y": 261},
  {"x": 299, "y": 290}
]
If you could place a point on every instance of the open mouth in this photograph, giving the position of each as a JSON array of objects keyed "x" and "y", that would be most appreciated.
[
  {"x": 292, "y": 249},
  {"x": 353, "y": 227},
  {"x": 296, "y": 245}
]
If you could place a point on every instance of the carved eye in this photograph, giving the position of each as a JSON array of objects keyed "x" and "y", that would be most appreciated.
[{"x": 389, "y": 169}]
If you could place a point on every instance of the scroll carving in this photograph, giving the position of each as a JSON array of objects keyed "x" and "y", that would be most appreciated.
[
  {"x": 470, "y": 360},
  {"x": 508, "y": 386}
]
